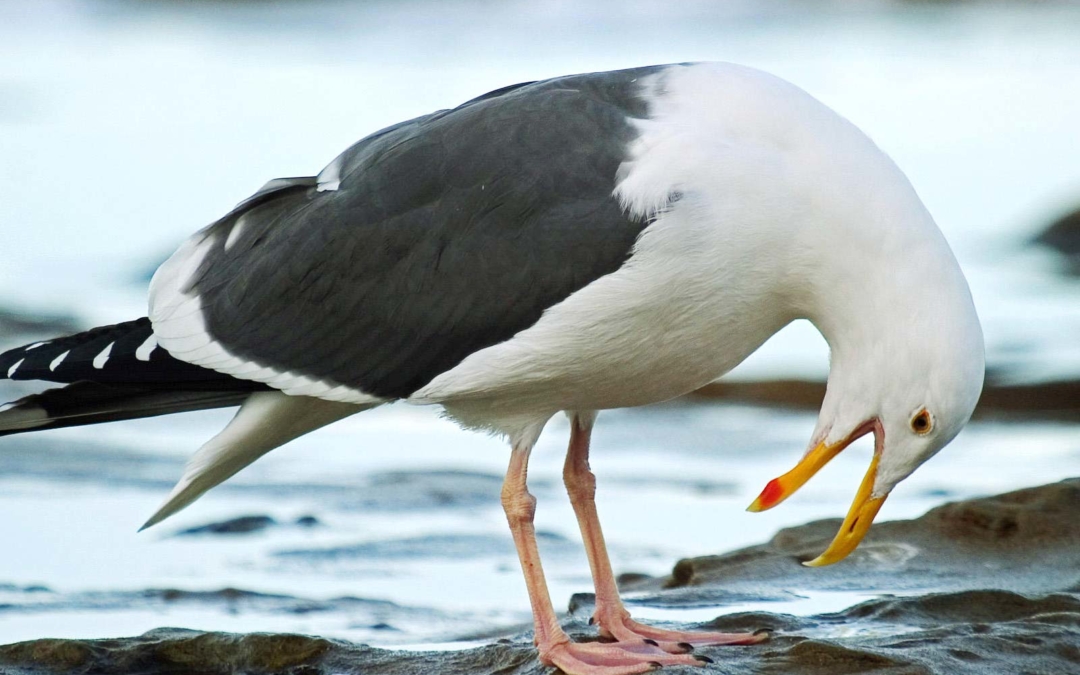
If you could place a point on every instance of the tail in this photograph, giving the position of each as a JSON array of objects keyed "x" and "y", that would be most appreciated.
[
  {"x": 119, "y": 373},
  {"x": 113, "y": 373},
  {"x": 91, "y": 403}
]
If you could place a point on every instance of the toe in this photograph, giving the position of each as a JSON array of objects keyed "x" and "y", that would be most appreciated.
[{"x": 617, "y": 658}]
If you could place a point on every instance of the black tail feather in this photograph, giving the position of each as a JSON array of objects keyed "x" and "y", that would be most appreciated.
[
  {"x": 113, "y": 373},
  {"x": 92, "y": 403},
  {"x": 124, "y": 353}
]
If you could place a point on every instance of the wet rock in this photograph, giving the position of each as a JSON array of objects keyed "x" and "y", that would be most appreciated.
[
  {"x": 1046, "y": 516},
  {"x": 241, "y": 525},
  {"x": 1026, "y": 541},
  {"x": 799, "y": 394},
  {"x": 828, "y": 658},
  {"x": 16, "y": 326},
  {"x": 972, "y": 632},
  {"x": 957, "y": 633},
  {"x": 628, "y": 578},
  {"x": 1063, "y": 236},
  {"x": 168, "y": 650},
  {"x": 58, "y": 656},
  {"x": 1056, "y": 400},
  {"x": 974, "y": 607},
  {"x": 172, "y": 650}
]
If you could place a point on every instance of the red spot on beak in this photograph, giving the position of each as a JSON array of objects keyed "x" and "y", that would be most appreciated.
[{"x": 771, "y": 494}]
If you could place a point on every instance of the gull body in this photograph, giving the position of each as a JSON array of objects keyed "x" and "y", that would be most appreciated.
[{"x": 573, "y": 245}]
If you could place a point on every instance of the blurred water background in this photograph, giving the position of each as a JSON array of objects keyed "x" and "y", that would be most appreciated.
[{"x": 126, "y": 125}]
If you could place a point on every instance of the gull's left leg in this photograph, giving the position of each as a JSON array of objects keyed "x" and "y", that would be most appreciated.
[
  {"x": 611, "y": 616},
  {"x": 554, "y": 645}
]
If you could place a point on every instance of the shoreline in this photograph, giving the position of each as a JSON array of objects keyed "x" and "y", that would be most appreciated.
[{"x": 986, "y": 585}]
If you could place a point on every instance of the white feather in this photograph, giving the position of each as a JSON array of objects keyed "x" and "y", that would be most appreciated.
[
  {"x": 146, "y": 348},
  {"x": 58, "y": 360},
  {"x": 265, "y": 421},
  {"x": 235, "y": 231},
  {"x": 14, "y": 367},
  {"x": 103, "y": 356},
  {"x": 329, "y": 179}
]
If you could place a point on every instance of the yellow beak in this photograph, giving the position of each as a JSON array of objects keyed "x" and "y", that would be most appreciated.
[
  {"x": 861, "y": 514},
  {"x": 857, "y": 523}
]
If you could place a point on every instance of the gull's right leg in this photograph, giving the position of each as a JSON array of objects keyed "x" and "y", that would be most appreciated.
[
  {"x": 612, "y": 618},
  {"x": 554, "y": 645}
]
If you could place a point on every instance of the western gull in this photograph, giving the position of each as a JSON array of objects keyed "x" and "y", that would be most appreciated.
[{"x": 569, "y": 245}]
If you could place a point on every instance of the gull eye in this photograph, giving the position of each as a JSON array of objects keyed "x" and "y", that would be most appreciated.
[{"x": 922, "y": 423}]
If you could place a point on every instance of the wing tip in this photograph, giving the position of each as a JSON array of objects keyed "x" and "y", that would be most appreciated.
[
  {"x": 153, "y": 520},
  {"x": 22, "y": 415},
  {"x": 182, "y": 495}
]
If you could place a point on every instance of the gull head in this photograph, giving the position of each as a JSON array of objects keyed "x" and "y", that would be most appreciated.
[{"x": 906, "y": 348}]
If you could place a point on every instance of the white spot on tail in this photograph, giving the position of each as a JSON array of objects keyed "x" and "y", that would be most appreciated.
[
  {"x": 58, "y": 360},
  {"x": 143, "y": 352},
  {"x": 100, "y": 359},
  {"x": 35, "y": 345},
  {"x": 14, "y": 367}
]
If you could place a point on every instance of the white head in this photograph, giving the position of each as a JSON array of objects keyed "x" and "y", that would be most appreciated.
[
  {"x": 907, "y": 357},
  {"x": 817, "y": 215}
]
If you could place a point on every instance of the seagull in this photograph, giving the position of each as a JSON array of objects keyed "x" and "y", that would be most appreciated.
[{"x": 570, "y": 245}]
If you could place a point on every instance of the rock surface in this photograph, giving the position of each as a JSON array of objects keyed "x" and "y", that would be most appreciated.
[
  {"x": 239, "y": 525},
  {"x": 968, "y": 632},
  {"x": 1009, "y": 567},
  {"x": 1050, "y": 400},
  {"x": 246, "y": 525},
  {"x": 18, "y": 325},
  {"x": 1027, "y": 541},
  {"x": 1063, "y": 235}
]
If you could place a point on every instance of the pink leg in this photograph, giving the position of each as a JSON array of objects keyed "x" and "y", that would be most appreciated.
[
  {"x": 611, "y": 616},
  {"x": 554, "y": 645}
]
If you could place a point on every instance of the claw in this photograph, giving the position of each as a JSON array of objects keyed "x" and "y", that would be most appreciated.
[
  {"x": 648, "y": 641},
  {"x": 703, "y": 658},
  {"x": 656, "y": 665},
  {"x": 686, "y": 647}
]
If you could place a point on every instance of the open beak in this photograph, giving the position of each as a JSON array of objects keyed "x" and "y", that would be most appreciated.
[{"x": 863, "y": 509}]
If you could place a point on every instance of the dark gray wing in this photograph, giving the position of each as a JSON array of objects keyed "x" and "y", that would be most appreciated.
[{"x": 430, "y": 240}]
